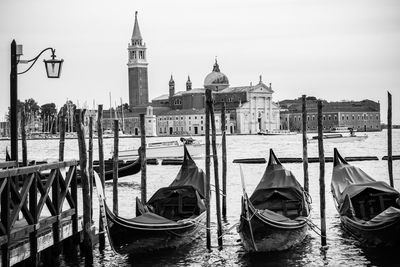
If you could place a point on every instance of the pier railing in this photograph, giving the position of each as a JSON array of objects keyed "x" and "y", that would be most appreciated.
[{"x": 25, "y": 228}]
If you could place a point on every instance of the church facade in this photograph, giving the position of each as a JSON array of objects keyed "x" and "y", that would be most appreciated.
[{"x": 249, "y": 109}]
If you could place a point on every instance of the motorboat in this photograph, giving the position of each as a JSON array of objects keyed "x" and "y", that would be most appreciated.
[
  {"x": 167, "y": 149},
  {"x": 338, "y": 137}
]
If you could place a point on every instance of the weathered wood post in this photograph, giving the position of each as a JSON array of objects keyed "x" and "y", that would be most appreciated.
[
  {"x": 142, "y": 155},
  {"x": 305, "y": 156},
  {"x": 6, "y": 220},
  {"x": 91, "y": 164},
  {"x": 115, "y": 168},
  {"x": 62, "y": 134},
  {"x": 321, "y": 174},
  {"x": 389, "y": 136},
  {"x": 87, "y": 238},
  {"x": 23, "y": 139},
  {"x": 33, "y": 193},
  {"x": 223, "y": 130},
  {"x": 216, "y": 176},
  {"x": 102, "y": 240},
  {"x": 207, "y": 196}
]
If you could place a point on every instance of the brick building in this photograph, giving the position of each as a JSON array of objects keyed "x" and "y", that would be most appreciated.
[{"x": 360, "y": 115}]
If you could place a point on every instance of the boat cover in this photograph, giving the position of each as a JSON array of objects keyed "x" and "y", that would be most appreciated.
[
  {"x": 391, "y": 214},
  {"x": 151, "y": 218},
  {"x": 190, "y": 174},
  {"x": 277, "y": 217},
  {"x": 189, "y": 183},
  {"x": 277, "y": 179},
  {"x": 348, "y": 181}
]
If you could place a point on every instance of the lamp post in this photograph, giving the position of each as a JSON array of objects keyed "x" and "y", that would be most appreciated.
[{"x": 53, "y": 70}]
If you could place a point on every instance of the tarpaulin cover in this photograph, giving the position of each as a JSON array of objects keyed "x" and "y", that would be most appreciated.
[
  {"x": 388, "y": 215},
  {"x": 190, "y": 174},
  {"x": 349, "y": 181},
  {"x": 152, "y": 218},
  {"x": 187, "y": 187},
  {"x": 277, "y": 179}
]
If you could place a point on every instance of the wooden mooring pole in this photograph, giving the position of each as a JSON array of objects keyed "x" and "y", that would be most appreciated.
[
  {"x": 207, "y": 196},
  {"x": 216, "y": 176},
  {"x": 62, "y": 135},
  {"x": 91, "y": 163},
  {"x": 305, "y": 154},
  {"x": 87, "y": 237},
  {"x": 102, "y": 240},
  {"x": 223, "y": 130},
  {"x": 143, "y": 180},
  {"x": 23, "y": 139},
  {"x": 115, "y": 167},
  {"x": 321, "y": 174},
  {"x": 389, "y": 136}
]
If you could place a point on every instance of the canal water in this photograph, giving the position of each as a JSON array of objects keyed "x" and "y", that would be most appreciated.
[{"x": 342, "y": 250}]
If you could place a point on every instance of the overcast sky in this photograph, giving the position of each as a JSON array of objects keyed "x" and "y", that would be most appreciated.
[{"x": 335, "y": 50}]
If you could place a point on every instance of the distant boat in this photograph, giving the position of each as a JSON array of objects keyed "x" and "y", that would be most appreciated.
[
  {"x": 369, "y": 209},
  {"x": 342, "y": 129},
  {"x": 337, "y": 137},
  {"x": 172, "y": 217},
  {"x": 275, "y": 216},
  {"x": 276, "y": 132},
  {"x": 167, "y": 149}
]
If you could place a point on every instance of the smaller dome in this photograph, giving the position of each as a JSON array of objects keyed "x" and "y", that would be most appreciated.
[{"x": 216, "y": 80}]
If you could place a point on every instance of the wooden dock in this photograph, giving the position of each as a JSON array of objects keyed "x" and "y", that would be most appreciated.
[{"x": 39, "y": 210}]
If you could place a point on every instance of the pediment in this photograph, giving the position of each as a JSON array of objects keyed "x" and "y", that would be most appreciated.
[{"x": 261, "y": 88}]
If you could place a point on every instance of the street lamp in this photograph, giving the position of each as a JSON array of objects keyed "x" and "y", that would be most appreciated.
[{"x": 53, "y": 70}]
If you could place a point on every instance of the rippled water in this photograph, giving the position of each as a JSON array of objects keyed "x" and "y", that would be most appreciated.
[{"x": 342, "y": 250}]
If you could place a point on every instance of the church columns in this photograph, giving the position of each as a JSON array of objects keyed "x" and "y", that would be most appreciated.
[
  {"x": 250, "y": 116},
  {"x": 255, "y": 122},
  {"x": 270, "y": 114},
  {"x": 266, "y": 119}
]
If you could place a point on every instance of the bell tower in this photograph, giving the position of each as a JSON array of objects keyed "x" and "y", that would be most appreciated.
[{"x": 137, "y": 69}]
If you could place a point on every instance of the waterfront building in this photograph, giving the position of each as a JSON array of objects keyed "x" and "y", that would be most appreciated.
[
  {"x": 360, "y": 115},
  {"x": 249, "y": 109}
]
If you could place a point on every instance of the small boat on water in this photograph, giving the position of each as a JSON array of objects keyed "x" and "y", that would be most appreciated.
[
  {"x": 172, "y": 217},
  {"x": 338, "y": 137},
  {"x": 275, "y": 216},
  {"x": 167, "y": 149},
  {"x": 369, "y": 209},
  {"x": 276, "y": 132},
  {"x": 125, "y": 168}
]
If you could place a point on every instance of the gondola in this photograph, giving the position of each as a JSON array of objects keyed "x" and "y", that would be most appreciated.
[
  {"x": 275, "y": 216},
  {"x": 125, "y": 168},
  {"x": 369, "y": 210},
  {"x": 172, "y": 217}
]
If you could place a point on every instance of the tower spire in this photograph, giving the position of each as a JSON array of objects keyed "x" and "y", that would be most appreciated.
[
  {"x": 136, "y": 35},
  {"x": 188, "y": 84}
]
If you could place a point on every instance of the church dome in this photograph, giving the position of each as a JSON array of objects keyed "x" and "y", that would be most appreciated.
[{"x": 216, "y": 80}]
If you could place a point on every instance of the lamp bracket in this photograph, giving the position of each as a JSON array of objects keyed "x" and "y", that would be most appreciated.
[{"x": 33, "y": 60}]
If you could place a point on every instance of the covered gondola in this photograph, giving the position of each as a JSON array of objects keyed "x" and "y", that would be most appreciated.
[
  {"x": 275, "y": 216},
  {"x": 172, "y": 217},
  {"x": 369, "y": 209}
]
